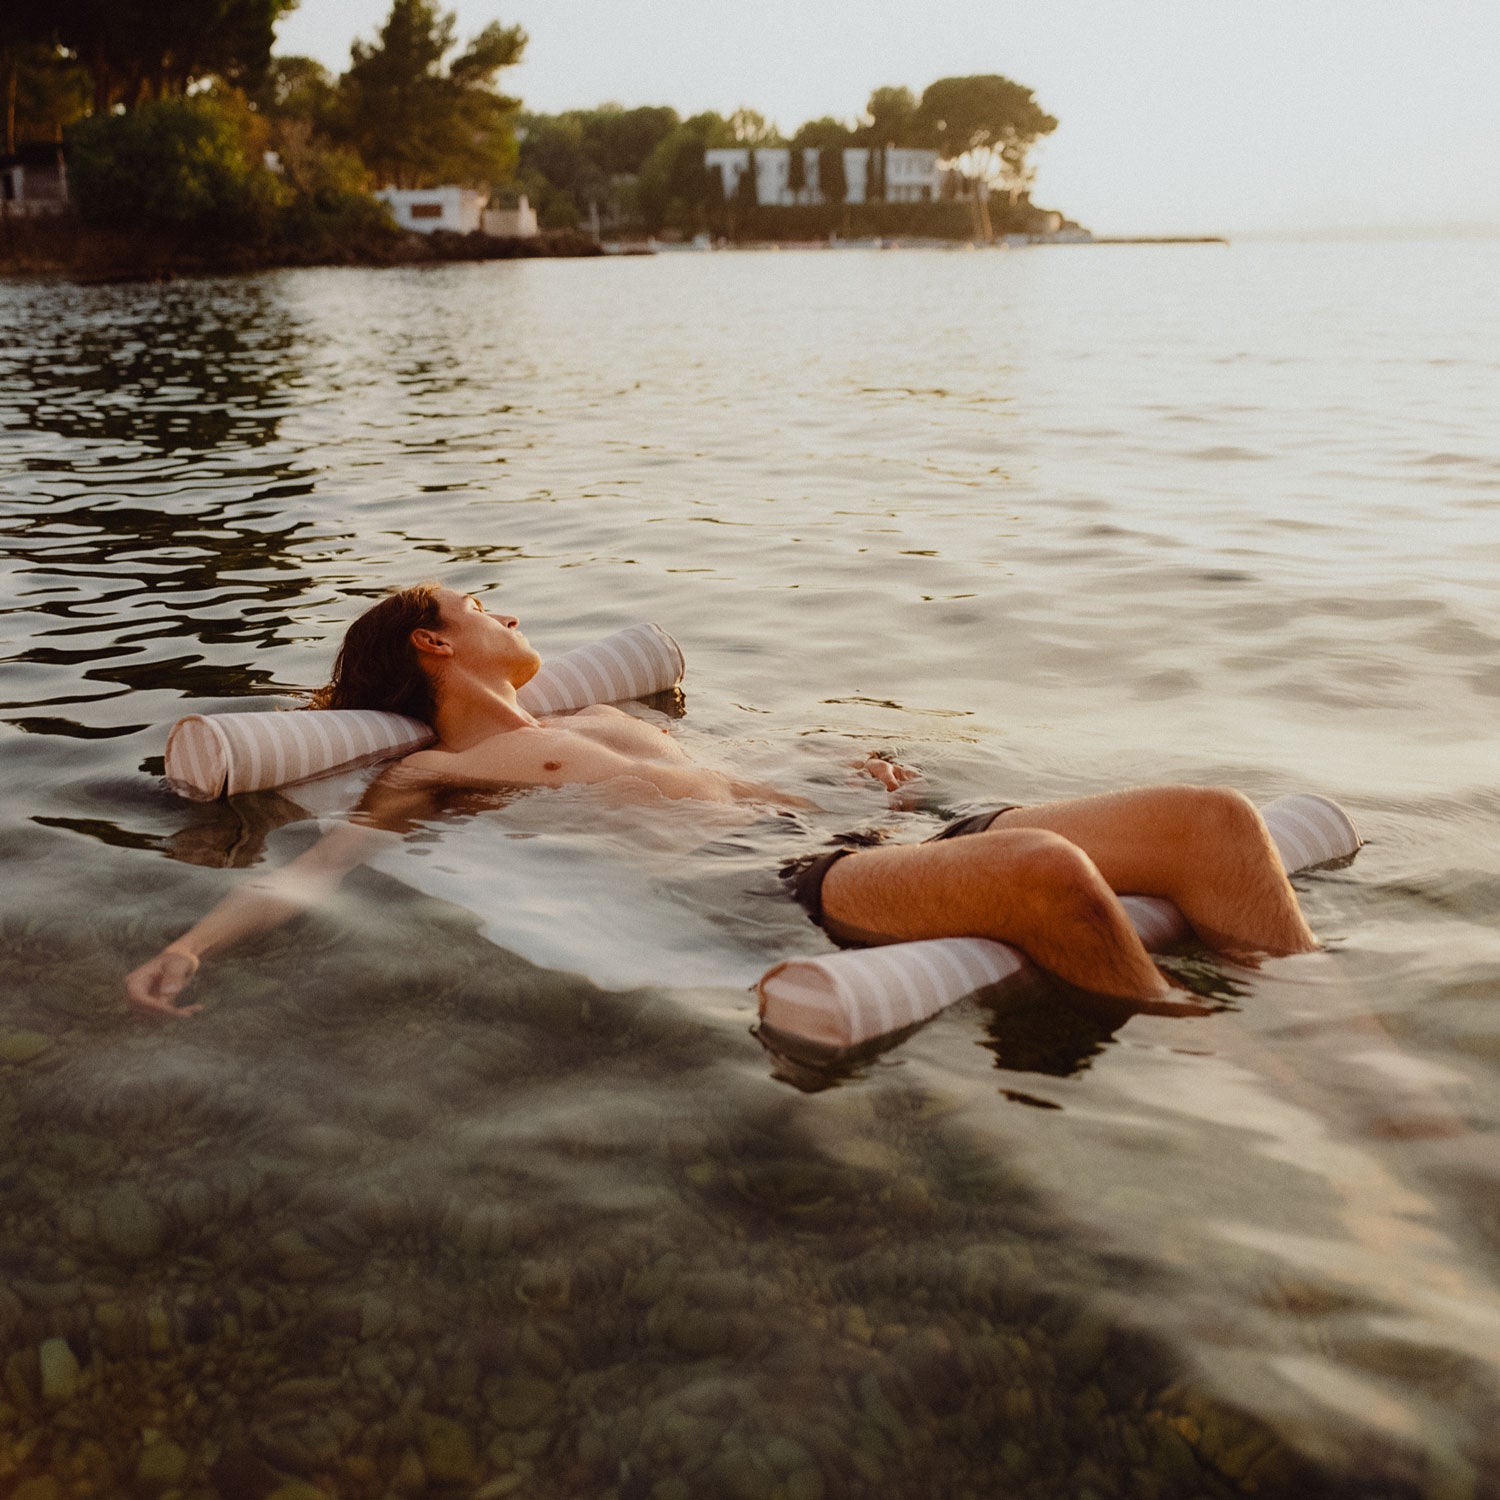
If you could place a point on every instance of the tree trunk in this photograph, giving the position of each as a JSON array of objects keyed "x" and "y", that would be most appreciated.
[
  {"x": 99, "y": 72},
  {"x": 9, "y": 72}
]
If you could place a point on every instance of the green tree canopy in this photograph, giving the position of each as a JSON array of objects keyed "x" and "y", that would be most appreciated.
[
  {"x": 144, "y": 49},
  {"x": 674, "y": 181},
  {"x": 42, "y": 91},
  {"x": 188, "y": 163},
  {"x": 986, "y": 125},
  {"x": 751, "y": 128},
  {"x": 588, "y": 156},
  {"x": 418, "y": 120},
  {"x": 299, "y": 101},
  {"x": 296, "y": 88},
  {"x": 823, "y": 133},
  {"x": 556, "y": 169},
  {"x": 618, "y": 141},
  {"x": 893, "y": 119}
]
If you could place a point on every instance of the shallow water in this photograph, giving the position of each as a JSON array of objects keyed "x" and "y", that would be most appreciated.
[{"x": 407, "y": 1206}]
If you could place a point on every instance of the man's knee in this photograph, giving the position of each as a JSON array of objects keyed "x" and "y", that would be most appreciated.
[
  {"x": 1221, "y": 817},
  {"x": 1055, "y": 879}
]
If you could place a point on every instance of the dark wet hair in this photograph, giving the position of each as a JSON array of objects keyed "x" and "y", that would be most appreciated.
[{"x": 377, "y": 665}]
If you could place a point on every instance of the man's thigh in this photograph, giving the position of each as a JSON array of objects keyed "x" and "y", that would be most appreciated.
[
  {"x": 1151, "y": 840},
  {"x": 983, "y": 885}
]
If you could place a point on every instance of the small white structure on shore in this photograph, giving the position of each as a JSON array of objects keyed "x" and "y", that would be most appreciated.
[
  {"x": 427, "y": 209},
  {"x": 911, "y": 173},
  {"x": 33, "y": 182},
  {"x": 518, "y": 223}
]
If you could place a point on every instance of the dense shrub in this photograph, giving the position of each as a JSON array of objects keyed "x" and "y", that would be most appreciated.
[{"x": 187, "y": 163}]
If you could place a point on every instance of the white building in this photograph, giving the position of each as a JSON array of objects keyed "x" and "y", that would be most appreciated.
[
  {"x": 911, "y": 173},
  {"x": 518, "y": 223},
  {"x": 33, "y": 182},
  {"x": 426, "y": 209}
]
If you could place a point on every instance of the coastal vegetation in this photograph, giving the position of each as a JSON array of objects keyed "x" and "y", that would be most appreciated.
[
  {"x": 643, "y": 171},
  {"x": 189, "y": 142}
]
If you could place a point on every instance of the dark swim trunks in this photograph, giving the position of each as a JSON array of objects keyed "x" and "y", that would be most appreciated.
[{"x": 806, "y": 876}]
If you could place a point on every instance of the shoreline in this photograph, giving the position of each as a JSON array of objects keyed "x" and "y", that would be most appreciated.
[
  {"x": 905, "y": 242},
  {"x": 61, "y": 247},
  {"x": 101, "y": 257}
]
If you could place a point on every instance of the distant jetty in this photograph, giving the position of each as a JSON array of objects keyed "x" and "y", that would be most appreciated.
[
  {"x": 705, "y": 242},
  {"x": 1149, "y": 239}
]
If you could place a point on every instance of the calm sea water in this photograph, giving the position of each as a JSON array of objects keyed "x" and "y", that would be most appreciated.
[{"x": 510, "y": 1196}]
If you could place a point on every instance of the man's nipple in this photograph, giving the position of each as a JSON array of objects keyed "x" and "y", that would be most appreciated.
[{"x": 552, "y": 765}]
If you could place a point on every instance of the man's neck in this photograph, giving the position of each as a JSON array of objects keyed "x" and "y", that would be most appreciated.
[{"x": 471, "y": 709}]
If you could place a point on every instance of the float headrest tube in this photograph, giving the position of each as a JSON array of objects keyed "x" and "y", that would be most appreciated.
[{"x": 221, "y": 755}]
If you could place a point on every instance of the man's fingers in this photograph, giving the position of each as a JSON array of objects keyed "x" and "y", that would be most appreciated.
[
  {"x": 155, "y": 985},
  {"x": 162, "y": 1007}
]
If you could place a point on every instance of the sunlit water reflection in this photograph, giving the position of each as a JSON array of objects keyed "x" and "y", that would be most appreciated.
[{"x": 409, "y": 1200}]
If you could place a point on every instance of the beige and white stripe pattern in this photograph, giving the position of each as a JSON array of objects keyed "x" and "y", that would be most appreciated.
[
  {"x": 841, "y": 1000},
  {"x": 631, "y": 663},
  {"x": 1309, "y": 830},
  {"x": 221, "y": 755}
]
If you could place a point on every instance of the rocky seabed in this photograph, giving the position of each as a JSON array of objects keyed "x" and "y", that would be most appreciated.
[{"x": 503, "y": 1235}]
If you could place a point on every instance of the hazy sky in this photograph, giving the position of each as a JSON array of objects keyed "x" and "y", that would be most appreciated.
[{"x": 1175, "y": 114}]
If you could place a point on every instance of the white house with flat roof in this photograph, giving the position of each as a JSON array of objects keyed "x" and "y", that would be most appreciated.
[
  {"x": 33, "y": 181},
  {"x": 427, "y": 209},
  {"x": 518, "y": 222},
  {"x": 911, "y": 173}
]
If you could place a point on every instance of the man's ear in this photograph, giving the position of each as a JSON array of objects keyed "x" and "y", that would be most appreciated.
[{"x": 430, "y": 643}]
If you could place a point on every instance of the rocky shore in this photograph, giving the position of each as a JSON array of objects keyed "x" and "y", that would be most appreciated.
[{"x": 63, "y": 247}]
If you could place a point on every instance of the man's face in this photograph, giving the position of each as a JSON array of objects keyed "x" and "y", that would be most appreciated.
[{"x": 488, "y": 643}]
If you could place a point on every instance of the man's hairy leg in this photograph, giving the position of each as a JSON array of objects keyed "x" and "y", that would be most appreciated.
[
  {"x": 1204, "y": 848},
  {"x": 1026, "y": 887}
]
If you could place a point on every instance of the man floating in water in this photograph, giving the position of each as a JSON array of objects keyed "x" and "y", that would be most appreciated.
[{"x": 1045, "y": 878}]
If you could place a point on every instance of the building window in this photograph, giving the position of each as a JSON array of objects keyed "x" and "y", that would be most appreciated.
[{"x": 427, "y": 210}]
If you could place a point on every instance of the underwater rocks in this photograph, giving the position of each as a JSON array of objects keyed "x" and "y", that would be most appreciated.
[
  {"x": 128, "y": 1224},
  {"x": 22, "y": 1046},
  {"x": 59, "y": 1370},
  {"x": 249, "y": 1285},
  {"x": 717, "y": 1371}
]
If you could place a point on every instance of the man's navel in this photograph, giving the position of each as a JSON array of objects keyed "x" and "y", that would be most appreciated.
[{"x": 552, "y": 765}]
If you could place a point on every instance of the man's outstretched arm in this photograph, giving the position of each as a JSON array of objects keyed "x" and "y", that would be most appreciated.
[{"x": 389, "y": 808}]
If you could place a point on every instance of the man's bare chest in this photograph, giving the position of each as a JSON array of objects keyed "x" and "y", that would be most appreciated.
[{"x": 559, "y": 752}]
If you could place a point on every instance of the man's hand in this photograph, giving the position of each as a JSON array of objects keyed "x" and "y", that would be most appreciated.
[
  {"x": 890, "y": 775},
  {"x": 156, "y": 984}
]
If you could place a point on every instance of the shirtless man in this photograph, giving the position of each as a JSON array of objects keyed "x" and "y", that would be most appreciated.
[{"x": 1044, "y": 878}]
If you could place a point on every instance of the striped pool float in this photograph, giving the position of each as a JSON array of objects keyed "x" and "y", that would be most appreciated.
[
  {"x": 837, "y": 1001},
  {"x": 221, "y": 755}
]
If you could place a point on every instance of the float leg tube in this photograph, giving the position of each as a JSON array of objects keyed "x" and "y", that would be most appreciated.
[{"x": 837, "y": 1001}]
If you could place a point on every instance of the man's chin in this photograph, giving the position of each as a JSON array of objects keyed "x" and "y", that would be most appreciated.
[{"x": 527, "y": 670}]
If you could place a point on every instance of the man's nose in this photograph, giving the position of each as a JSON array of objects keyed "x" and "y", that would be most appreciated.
[{"x": 509, "y": 621}]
